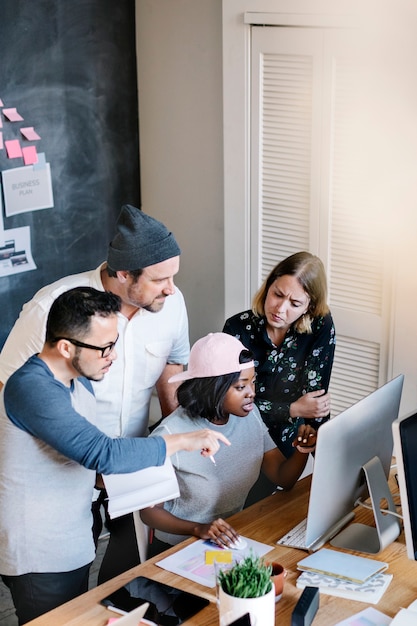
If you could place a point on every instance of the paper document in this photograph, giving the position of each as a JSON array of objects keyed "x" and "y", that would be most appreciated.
[
  {"x": 406, "y": 617},
  {"x": 190, "y": 562},
  {"x": 367, "y": 617},
  {"x": 137, "y": 490}
]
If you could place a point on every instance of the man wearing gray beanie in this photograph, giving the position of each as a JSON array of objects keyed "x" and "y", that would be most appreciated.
[
  {"x": 153, "y": 344},
  {"x": 140, "y": 241}
]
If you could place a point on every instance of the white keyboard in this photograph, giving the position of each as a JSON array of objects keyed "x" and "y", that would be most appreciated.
[{"x": 295, "y": 538}]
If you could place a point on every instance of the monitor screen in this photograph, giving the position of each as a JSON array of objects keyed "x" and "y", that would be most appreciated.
[
  {"x": 344, "y": 445},
  {"x": 405, "y": 452}
]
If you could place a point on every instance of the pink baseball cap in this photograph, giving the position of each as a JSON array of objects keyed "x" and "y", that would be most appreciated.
[{"x": 214, "y": 355}]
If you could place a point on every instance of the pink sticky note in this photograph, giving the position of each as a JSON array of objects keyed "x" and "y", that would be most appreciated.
[
  {"x": 1, "y": 123},
  {"x": 29, "y": 133},
  {"x": 1, "y": 103},
  {"x": 1, "y": 141},
  {"x": 30, "y": 156},
  {"x": 13, "y": 148},
  {"x": 12, "y": 115}
]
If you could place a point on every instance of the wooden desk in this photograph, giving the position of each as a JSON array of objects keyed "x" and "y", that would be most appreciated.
[{"x": 265, "y": 521}]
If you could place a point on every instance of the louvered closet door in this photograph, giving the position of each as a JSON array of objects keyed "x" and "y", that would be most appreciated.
[
  {"x": 285, "y": 144},
  {"x": 309, "y": 191}
]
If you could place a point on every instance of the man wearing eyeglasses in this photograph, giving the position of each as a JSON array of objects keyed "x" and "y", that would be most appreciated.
[
  {"x": 50, "y": 445},
  {"x": 143, "y": 259}
]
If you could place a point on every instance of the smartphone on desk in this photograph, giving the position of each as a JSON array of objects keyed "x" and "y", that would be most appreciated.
[
  {"x": 167, "y": 606},
  {"x": 245, "y": 620}
]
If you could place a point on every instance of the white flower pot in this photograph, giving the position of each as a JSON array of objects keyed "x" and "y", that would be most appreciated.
[{"x": 261, "y": 610}]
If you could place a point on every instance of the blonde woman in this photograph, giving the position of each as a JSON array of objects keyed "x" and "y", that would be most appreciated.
[{"x": 291, "y": 334}]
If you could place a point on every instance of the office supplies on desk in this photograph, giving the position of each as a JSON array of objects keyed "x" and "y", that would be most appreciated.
[
  {"x": 367, "y": 617},
  {"x": 371, "y": 591},
  {"x": 221, "y": 556},
  {"x": 167, "y": 606},
  {"x": 257, "y": 522},
  {"x": 190, "y": 562},
  {"x": 244, "y": 620},
  {"x": 357, "y": 569},
  {"x": 133, "y": 618},
  {"x": 306, "y": 607},
  {"x": 296, "y": 537},
  {"x": 406, "y": 617}
]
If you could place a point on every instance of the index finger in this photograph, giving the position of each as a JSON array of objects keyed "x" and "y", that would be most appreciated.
[{"x": 221, "y": 437}]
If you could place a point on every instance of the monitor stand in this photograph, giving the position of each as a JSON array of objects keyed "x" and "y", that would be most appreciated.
[{"x": 362, "y": 538}]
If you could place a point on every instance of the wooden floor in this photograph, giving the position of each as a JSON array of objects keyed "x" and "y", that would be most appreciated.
[{"x": 7, "y": 614}]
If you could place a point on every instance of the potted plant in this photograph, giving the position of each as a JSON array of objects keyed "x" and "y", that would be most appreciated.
[{"x": 247, "y": 588}]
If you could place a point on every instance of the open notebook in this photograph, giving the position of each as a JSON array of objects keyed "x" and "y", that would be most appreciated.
[{"x": 135, "y": 491}]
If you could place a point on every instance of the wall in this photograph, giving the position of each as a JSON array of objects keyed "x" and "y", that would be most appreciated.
[
  {"x": 180, "y": 72},
  {"x": 70, "y": 70},
  {"x": 179, "y": 57},
  {"x": 390, "y": 32}
]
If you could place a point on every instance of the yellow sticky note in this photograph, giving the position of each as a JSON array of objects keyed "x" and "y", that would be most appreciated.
[{"x": 222, "y": 556}]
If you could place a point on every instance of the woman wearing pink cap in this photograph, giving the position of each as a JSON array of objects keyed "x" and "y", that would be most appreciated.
[{"x": 217, "y": 391}]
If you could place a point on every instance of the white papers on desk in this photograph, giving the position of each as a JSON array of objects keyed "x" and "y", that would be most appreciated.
[
  {"x": 406, "y": 617},
  {"x": 135, "y": 491},
  {"x": 190, "y": 562},
  {"x": 367, "y": 617}
]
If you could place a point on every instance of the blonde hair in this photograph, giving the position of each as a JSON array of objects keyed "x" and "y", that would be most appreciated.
[{"x": 309, "y": 270}]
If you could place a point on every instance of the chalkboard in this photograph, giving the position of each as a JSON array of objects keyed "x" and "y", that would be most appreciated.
[{"x": 69, "y": 68}]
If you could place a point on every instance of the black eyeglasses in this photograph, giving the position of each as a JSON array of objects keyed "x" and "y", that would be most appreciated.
[{"x": 104, "y": 351}]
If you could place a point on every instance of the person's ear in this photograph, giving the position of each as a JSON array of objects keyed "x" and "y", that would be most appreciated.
[
  {"x": 64, "y": 348},
  {"x": 122, "y": 275}
]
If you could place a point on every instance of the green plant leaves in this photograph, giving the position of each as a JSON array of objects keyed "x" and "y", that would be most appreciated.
[{"x": 251, "y": 578}]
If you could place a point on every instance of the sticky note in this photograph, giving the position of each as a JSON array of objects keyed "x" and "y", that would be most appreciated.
[
  {"x": 30, "y": 156},
  {"x": 13, "y": 148},
  {"x": 12, "y": 115},
  {"x": 221, "y": 556},
  {"x": 29, "y": 133}
]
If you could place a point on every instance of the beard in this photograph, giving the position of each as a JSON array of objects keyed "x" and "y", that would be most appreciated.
[
  {"x": 155, "y": 307},
  {"x": 78, "y": 368}
]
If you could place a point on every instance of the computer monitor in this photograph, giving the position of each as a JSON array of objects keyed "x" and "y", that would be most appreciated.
[
  {"x": 405, "y": 452},
  {"x": 353, "y": 457}
]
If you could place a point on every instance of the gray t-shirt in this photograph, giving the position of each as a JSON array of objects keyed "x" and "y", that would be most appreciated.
[
  {"x": 210, "y": 491},
  {"x": 50, "y": 451}
]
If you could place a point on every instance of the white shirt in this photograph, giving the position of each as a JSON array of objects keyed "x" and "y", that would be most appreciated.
[{"x": 147, "y": 342}]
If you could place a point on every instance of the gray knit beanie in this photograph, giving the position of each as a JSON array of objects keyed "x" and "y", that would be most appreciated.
[{"x": 140, "y": 241}]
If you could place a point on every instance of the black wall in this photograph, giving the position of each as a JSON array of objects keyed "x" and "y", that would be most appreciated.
[{"x": 69, "y": 67}]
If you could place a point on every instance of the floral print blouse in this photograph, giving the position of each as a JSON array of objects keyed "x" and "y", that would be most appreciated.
[{"x": 302, "y": 363}]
